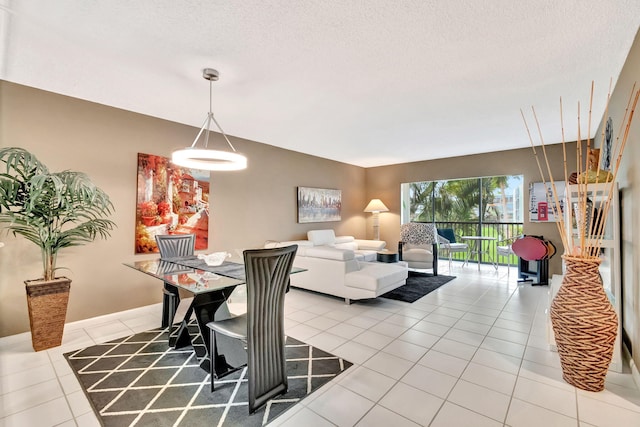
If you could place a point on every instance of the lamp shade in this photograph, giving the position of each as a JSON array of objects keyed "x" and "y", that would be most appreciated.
[{"x": 376, "y": 205}]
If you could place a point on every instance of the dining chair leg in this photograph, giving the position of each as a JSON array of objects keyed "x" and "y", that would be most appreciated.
[
  {"x": 508, "y": 264},
  {"x": 212, "y": 356},
  {"x": 466, "y": 260},
  {"x": 170, "y": 301}
]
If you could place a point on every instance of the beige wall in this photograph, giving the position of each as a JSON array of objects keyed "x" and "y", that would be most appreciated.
[
  {"x": 384, "y": 183},
  {"x": 247, "y": 207},
  {"x": 629, "y": 184}
]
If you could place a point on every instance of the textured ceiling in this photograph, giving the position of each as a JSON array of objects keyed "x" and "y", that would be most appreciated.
[{"x": 363, "y": 82}]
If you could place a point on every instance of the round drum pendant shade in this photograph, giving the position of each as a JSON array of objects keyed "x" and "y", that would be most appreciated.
[
  {"x": 209, "y": 159},
  {"x": 205, "y": 158}
]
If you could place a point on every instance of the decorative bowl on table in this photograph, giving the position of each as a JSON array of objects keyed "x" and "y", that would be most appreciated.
[{"x": 215, "y": 258}]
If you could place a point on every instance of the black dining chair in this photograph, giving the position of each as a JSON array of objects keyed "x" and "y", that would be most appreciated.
[
  {"x": 176, "y": 245},
  {"x": 173, "y": 246},
  {"x": 261, "y": 329}
]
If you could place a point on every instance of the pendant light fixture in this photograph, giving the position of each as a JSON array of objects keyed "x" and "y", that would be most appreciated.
[{"x": 206, "y": 158}]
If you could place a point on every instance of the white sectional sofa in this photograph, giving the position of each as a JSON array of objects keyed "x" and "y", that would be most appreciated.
[
  {"x": 343, "y": 266},
  {"x": 364, "y": 250}
]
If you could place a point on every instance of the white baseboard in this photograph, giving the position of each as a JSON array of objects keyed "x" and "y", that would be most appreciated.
[{"x": 635, "y": 373}]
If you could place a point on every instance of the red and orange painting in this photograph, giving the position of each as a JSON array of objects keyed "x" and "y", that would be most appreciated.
[{"x": 170, "y": 200}]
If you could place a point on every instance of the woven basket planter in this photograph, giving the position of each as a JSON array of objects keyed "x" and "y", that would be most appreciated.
[
  {"x": 585, "y": 325},
  {"x": 47, "y": 303}
]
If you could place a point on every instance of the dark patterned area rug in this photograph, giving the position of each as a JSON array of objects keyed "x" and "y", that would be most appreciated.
[
  {"x": 140, "y": 381},
  {"x": 418, "y": 285}
]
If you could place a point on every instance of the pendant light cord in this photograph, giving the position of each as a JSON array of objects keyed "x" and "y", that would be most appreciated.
[
  {"x": 208, "y": 158},
  {"x": 207, "y": 123}
]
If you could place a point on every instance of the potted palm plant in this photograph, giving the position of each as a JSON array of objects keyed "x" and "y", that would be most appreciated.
[{"x": 53, "y": 210}]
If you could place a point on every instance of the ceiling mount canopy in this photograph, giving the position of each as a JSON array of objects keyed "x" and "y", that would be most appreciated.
[{"x": 205, "y": 158}]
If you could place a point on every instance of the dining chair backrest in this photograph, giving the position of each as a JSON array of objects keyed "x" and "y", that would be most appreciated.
[
  {"x": 448, "y": 234},
  {"x": 173, "y": 246},
  {"x": 267, "y": 273},
  {"x": 176, "y": 245}
]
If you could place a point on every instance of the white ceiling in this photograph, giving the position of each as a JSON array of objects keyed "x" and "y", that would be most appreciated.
[{"x": 368, "y": 83}]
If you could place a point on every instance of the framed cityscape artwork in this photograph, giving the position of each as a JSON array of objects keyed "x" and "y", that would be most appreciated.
[{"x": 319, "y": 204}]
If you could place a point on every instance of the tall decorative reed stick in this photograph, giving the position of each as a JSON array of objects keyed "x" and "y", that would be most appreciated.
[{"x": 588, "y": 241}]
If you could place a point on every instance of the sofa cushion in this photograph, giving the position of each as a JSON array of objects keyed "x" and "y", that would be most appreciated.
[
  {"x": 344, "y": 239},
  {"x": 374, "y": 276},
  {"x": 365, "y": 255},
  {"x": 321, "y": 237},
  {"x": 276, "y": 244},
  {"x": 407, "y": 246},
  {"x": 326, "y": 252},
  {"x": 417, "y": 254},
  {"x": 349, "y": 245},
  {"x": 371, "y": 245}
]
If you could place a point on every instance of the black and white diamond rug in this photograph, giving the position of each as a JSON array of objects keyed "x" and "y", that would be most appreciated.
[{"x": 140, "y": 381}]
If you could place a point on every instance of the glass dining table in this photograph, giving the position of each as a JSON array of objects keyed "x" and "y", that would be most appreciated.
[{"x": 210, "y": 286}]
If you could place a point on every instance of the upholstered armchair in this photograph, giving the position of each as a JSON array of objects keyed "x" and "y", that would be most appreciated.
[{"x": 418, "y": 246}]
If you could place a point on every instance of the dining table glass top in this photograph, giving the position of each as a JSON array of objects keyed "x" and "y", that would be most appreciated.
[
  {"x": 194, "y": 275},
  {"x": 190, "y": 279}
]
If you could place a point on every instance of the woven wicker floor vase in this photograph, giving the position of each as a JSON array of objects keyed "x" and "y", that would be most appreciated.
[
  {"x": 47, "y": 303},
  {"x": 585, "y": 325}
]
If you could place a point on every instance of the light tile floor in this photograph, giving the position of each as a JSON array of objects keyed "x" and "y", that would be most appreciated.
[{"x": 472, "y": 353}]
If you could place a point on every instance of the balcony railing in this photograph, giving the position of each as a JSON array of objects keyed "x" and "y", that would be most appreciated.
[{"x": 499, "y": 230}]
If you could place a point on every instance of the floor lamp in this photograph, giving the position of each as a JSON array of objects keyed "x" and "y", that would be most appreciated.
[{"x": 376, "y": 206}]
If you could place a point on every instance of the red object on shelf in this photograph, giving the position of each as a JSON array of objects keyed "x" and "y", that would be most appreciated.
[{"x": 543, "y": 214}]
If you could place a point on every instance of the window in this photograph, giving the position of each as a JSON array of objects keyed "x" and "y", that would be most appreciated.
[
  {"x": 488, "y": 206},
  {"x": 488, "y": 200}
]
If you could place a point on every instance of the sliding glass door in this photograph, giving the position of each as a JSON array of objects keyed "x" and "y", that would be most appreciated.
[{"x": 485, "y": 206}]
